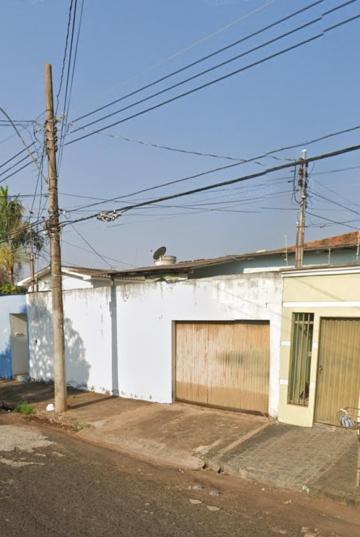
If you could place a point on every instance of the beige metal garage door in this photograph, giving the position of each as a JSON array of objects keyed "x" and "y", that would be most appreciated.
[
  {"x": 223, "y": 364},
  {"x": 338, "y": 378}
]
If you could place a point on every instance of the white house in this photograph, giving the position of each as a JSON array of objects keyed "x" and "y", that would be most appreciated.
[
  {"x": 214, "y": 341},
  {"x": 72, "y": 278}
]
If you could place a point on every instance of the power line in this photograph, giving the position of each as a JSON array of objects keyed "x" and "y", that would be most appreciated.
[
  {"x": 17, "y": 122},
  {"x": 210, "y": 83},
  {"x": 228, "y": 166},
  {"x": 193, "y": 77},
  {"x": 65, "y": 54},
  {"x": 26, "y": 146},
  {"x": 68, "y": 74},
  {"x": 117, "y": 212},
  {"x": 17, "y": 163},
  {"x": 332, "y": 221},
  {"x": 66, "y": 114},
  {"x": 226, "y": 192},
  {"x": 92, "y": 249},
  {"x": 199, "y": 41},
  {"x": 15, "y": 172},
  {"x": 338, "y": 203},
  {"x": 178, "y": 150},
  {"x": 326, "y": 187},
  {"x": 16, "y": 233},
  {"x": 204, "y": 58},
  {"x": 197, "y": 75},
  {"x": 204, "y": 208},
  {"x": 17, "y": 154}
]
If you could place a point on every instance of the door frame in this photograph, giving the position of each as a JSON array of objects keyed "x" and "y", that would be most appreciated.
[{"x": 23, "y": 317}]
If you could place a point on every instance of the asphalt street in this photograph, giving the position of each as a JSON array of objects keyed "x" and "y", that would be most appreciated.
[{"x": 52, "y": 484}]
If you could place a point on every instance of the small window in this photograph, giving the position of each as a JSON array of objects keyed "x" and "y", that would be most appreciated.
[{"x": 300, "y": 358}]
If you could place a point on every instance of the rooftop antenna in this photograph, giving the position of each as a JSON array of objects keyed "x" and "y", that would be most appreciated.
[{"x": 160, "y": 252}]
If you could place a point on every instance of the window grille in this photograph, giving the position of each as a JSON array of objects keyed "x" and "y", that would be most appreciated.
[{"x": 300, "y": 358}]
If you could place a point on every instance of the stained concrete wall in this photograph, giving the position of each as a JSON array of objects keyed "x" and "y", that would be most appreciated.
[
  {"x": 123, "y": 336},
  {"x": 8, "y": 305}
]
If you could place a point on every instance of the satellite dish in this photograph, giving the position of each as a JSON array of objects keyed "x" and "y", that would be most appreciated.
[{"x": 159, "y": 252}]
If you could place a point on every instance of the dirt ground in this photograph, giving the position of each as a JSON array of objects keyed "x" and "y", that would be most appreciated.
[{"x": 54, "y": 484}]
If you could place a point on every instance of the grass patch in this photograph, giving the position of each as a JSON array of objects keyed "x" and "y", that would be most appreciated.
[
  {"x": 79, "y": 426},
  {"x": 25, "y": 408}
]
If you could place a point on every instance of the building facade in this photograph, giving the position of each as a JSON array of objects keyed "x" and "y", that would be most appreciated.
[
  {"x": 214, "y": 341},
  {"x": 320, "y": 345}
]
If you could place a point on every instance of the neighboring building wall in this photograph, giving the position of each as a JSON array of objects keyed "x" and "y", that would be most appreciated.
[
  {"x": 341, "y": 256},
  {"x": 123, "y": 336},
  {"x": 8, "y": 305},
  {"x": 327, "y": 293},
  {"x": 88, "y": 338}
]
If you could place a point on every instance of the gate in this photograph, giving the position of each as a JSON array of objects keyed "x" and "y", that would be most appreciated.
[
  {"x": 223, "y": 364},
  {"x": 338, "y": 377}
]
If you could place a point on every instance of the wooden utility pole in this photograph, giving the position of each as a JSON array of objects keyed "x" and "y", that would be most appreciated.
[
  {"x": 55, "y": 252},
  {"x": 300, "y": 225}
]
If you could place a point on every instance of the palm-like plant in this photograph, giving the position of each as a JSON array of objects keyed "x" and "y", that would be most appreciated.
[{"x": 15, "y": 235}]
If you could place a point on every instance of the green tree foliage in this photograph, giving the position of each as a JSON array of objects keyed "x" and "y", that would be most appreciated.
[{"x": 16, "y": 237}]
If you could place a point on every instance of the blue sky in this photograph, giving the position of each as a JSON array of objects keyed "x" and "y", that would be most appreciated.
[{"x": 124, "y": 45}]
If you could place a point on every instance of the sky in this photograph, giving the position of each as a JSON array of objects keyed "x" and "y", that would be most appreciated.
[{"x": 295, "y": 97}]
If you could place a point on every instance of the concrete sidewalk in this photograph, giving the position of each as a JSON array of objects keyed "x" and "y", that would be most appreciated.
[{"x": 317, "y": 459}]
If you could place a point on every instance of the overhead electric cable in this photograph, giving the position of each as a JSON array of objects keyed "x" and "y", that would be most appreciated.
[
  {"x": 176, "y": 149},
  {"x": 15, "y": 172},
  {"x": 337, "y": 203},
  {"x": 17, "y": 154},
  {"x": 214, "y": 81},
  {"x": 117, "y": 212},
  {"x": 199, "y": 41},
  {"x": 26, "y": 146},
  {"x": 332, "y": 221},
  {"x": 228, "y": 166},
  {"x": 65, "y": 54},
  {"x": 67, "y": 109},
  {"x": 88, "y": 250},
  {"x": 68, "y": 74},
  {"x": 200, "y": 60},
  {"x": 17, "y": 163},
  {"x": 197, "y": 75}
]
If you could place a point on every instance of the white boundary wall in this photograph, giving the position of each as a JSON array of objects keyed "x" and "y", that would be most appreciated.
[
  {"x": 87, "y": 330},
  {"x": 120, "y": 339}
]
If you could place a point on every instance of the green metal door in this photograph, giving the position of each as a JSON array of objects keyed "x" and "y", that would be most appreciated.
[{"x": 338, "y": 377}]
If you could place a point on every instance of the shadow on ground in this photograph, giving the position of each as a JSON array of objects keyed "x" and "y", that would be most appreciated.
[{"x": 31, "y": 392}]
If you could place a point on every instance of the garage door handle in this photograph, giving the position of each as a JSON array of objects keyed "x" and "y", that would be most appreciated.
[{"x": 320, "y": 368}]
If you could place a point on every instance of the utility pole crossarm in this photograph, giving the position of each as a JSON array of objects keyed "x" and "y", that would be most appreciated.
[{"x": 55, "y": 251}]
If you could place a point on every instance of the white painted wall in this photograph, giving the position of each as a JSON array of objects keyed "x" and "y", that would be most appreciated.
[
  {"x": 68, "y": 282},
  {"x": 123, "y": 335},
  {"x": 87, "y": 338},
  {"x": 146, "y": 311}
]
